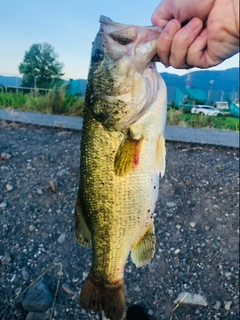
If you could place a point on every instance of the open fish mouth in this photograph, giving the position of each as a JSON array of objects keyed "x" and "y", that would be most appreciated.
[
  {"x": 123, "y": 73},
  {"x": 132, "y": 40}
]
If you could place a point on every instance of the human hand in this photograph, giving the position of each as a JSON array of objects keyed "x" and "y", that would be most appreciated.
[{"x": 209, "y": 32}]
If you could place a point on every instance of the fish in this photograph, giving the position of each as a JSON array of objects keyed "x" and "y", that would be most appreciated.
[{"x": 122, "y": 156}]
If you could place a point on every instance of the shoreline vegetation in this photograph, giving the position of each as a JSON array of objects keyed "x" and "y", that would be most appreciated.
[{"x": 57, "y": 102}]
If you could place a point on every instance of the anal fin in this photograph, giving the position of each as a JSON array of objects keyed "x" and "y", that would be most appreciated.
[
  {"x": 143, "y": 250},
  {"x": 82, "y": 233}
]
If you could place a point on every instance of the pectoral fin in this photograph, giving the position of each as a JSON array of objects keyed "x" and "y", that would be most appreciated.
[
  {"x": 143, "y": 250},
  {"x": 160, "y": 155},
  {"x": 127, "y": 157},
  {"x": 82, "y": 233}
]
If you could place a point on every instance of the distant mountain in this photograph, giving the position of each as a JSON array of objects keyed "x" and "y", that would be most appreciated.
[
  {"x": 225, "y": 82},
  {"x": 10, "y": 81}
]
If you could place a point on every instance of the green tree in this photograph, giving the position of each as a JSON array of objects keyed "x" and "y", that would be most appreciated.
[{"x": 40, "y": 64}]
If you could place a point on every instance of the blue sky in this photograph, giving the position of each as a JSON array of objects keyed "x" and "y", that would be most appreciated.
[{"x": 70, "y": 27}]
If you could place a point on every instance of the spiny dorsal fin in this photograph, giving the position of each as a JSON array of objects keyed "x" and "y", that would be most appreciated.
[
  {"x": 82, "y": 233},
  {"x": 143, "y": 250},
  {"x": 127, "y": 157},
  {"x": 160, "y": 155}
]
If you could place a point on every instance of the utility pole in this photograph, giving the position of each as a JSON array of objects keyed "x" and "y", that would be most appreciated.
[
  {"x": 233, "y": 95},
  {"x": 188, "y": 81},
  {"x": 35, "y": 85},
  {"x": 210, "y": 91},
  {"x": 16, "y": 84},
  {"x": 222, "y": 96}
]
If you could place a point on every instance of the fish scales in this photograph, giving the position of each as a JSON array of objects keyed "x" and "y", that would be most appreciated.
[
  {"x": 122, "y": 153},
  {"x": 120, "y": 195}
]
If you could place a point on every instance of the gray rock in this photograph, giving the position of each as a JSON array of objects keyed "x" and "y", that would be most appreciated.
[
  {"x": 39, "y": 191},
  {"x": 171, "y": 204},
  {"x": 6, "y": 259},
  {"x": 228, "y": 274},
  {"x": 170, "y": 292},
  {"x": 169, "y": 214},
  {"x": 3, "y": 205},
  {"x": 151, "y": 266},
  {"x": 137, "y": 289},
  {"x": 5, "y": 156},
  {"x": 217, "y": 305},
  {"x": 192, "y": 224},
  {"x": 227, "y": 305},
  {"x": 32, "y": 228},
  {"x": 38, "y": 297},
  {"x": 37, "y": 316},
  {"x": 62, "y": 237},
  {"x": 188, "y": 298},
  {"x": 150, "y": 312},
  {"x": 25, "y": 274},
  {"x": 9, "y": 187}
]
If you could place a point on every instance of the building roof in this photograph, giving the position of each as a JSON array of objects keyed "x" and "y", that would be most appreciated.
[{"x": 195, "y": 94}]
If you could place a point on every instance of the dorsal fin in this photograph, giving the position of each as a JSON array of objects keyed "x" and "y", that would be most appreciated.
[{"x": 160, "y": 155}]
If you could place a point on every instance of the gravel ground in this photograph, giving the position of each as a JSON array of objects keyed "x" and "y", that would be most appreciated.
[{"x": 196, "y": 226}]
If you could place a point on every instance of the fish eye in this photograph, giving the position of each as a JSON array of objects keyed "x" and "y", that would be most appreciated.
[
  {"x": 97, "y": 55},
  {"x": 121, "y": 40}
]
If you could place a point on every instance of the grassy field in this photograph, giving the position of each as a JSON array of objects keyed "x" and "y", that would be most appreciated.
[
  {"x": 177, "y": 117},
  {"x": 56, "y": 102}
]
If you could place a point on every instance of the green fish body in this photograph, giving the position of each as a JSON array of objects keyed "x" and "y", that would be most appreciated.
[{"x": 122, "y": 155}]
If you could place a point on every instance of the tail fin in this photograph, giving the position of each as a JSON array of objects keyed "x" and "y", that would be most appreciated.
[{"x": 98, "y": 297}]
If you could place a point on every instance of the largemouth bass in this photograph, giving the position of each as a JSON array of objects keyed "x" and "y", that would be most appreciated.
[{"x": 122, "y": 155}]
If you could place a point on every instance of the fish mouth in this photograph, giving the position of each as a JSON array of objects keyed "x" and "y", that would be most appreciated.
[
  {"x": 123, "y": 72},
  {"x": 140, "y": 43},
  {"x": 107, "y": 21}
]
